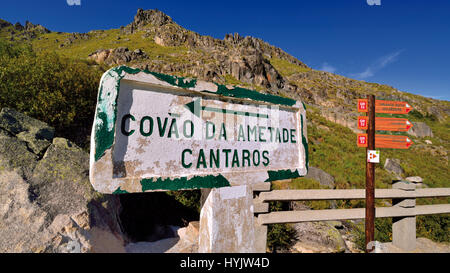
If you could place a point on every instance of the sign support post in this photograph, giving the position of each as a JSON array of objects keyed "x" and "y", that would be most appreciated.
[
  {"x": 370, "y": 177},
  {"x": 226, "y": 221},
  {"x": 370, "y": 140}
]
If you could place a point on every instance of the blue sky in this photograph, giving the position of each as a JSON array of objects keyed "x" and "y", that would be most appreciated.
[{"x": 405, "y": 44}]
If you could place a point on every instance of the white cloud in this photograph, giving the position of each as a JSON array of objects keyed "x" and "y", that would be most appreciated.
[
  {"x": 364, "y": 75},
  {"x": 328, "y": 68},
  {"x": 378, "y": 65}
]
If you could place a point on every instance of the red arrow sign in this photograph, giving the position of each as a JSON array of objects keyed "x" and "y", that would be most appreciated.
[
  {"x": 385, "y": 124},
  {"x": 386, "y": 141},
  {"x": 392, "y": 107},
  {"x": 392, "y": 124},
  {"x": 385, "y": 106}
]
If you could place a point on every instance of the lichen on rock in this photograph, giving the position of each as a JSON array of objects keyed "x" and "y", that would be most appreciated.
[{"x": 46, "y": 201}]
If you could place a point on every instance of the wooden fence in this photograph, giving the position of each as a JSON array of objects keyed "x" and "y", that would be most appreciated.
[{"x": 403, "y": 209}]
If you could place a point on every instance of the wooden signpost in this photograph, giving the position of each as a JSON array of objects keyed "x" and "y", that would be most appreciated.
[
  {"x": 371, "y": 141},
  {"x": 156, "y": 132}
]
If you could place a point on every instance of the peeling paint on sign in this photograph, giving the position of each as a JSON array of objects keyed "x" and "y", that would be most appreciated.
[
  {"x": 159, "y": 132},
  {"x": 232, "y": 192}
]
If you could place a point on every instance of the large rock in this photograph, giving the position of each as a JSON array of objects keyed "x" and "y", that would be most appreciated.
[
  {"x": 417, "y": 180},
  {"x": 186, "y": 241},
  {"x": 35, "y": 133},
  {"x": 59, "y": 179},
  {"x": 420, "y": 129},
  {"x": 337, "y": 115},
  {"x": 26, "y": 226},
  {"x": 117, "y": 56},
  {"x": 47, "y": 203},
  {"x": 393, "y": 166},
  {"x": 437, "y": 112},
  {"x": 414, "y": 179},
  {"x": 423, "y": 245},
  {"x": 15, "y": 156},
  {"x": 318, "y": 237},
  {"x": 21, "y": 220},
  {"x": 324, "y": 178},
  {"x": 36, "y": 28},
  {"x": 249, "y": 66}
]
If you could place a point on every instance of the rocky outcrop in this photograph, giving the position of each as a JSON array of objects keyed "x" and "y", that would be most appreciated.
[
  {"x": 167, "y": 33},
  {"x": 393, "y": 166},
  {"x": 324, "y": 178},
  {"x": 145, "y": 17},
  {"x": 36, "y": 28},
  {"x": 319, "y": 237},
  {"x": 420, "y": 129},
  {"x": 74, "y": 37},
  {"x": 117, "y": 56},
  {"x": 27, "y": 32},
  {"x": 250, "y": 67},
  {"x": 36, "y": 134},
  {"x": 340, "y": 116},
  {"x": 244, "y": 58},
  {"x": 46, "y": 201},
  {"x": 439, "y": 113}
]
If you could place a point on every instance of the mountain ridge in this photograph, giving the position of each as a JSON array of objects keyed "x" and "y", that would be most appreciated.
[{"x": 154, "y": 41}]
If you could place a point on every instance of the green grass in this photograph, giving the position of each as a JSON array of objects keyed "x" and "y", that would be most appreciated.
[
  {"x": 229, "y": 79},
  {"x": 108, "y": 39},
  {"x": 285, "y": 68}
]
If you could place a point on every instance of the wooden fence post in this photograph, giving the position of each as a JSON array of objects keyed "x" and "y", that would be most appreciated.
[
  {"x": 260, "y": 207},
  {"x": 404, "y": 228}
]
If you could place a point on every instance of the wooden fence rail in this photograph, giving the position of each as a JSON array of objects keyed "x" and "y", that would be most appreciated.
[
  {"x": 310, "y": 195},
  {"x": 347, "y": 214}
]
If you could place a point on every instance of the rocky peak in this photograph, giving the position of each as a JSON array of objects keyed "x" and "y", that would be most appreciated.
[
  {"x": 249, "y": 42},
  {"x": 28, "y": 25},
  {"x": 18, "y": 26},
  {"x": 233, "y": 38},
  {"x": 38, "y": 28},
  {"x": 153, "y": 16}
]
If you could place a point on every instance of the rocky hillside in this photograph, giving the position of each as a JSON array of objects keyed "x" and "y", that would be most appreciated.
[{"x": 154, "y": 41}]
